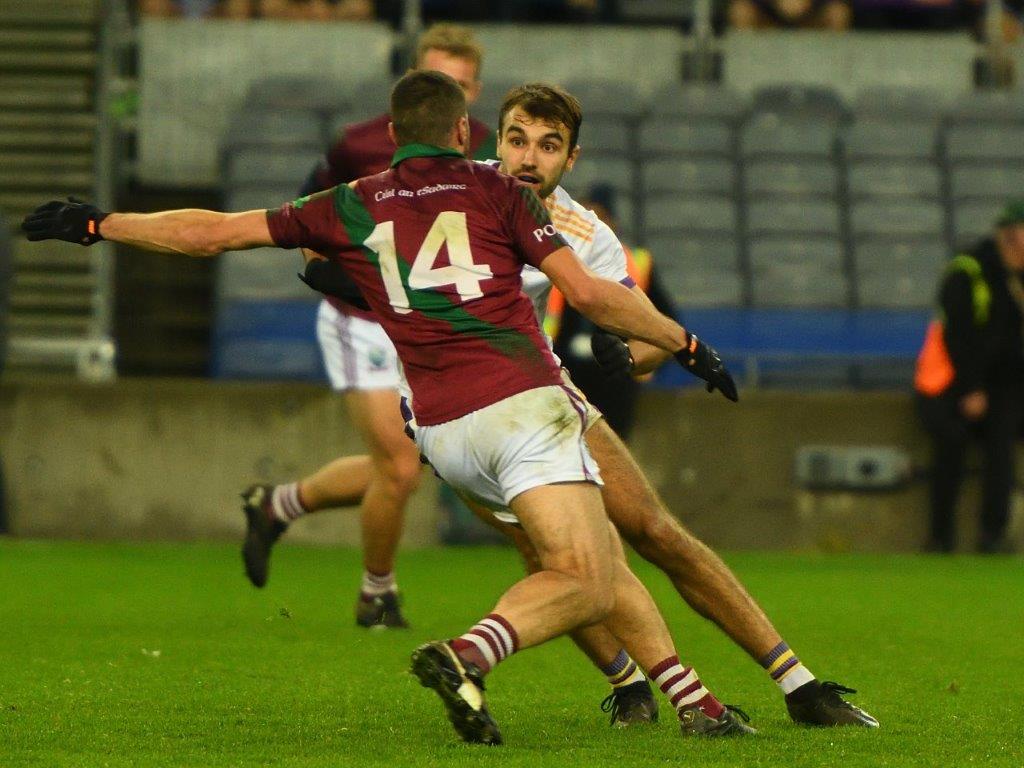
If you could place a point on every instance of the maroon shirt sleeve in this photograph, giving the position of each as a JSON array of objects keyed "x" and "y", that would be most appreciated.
[
  {"x": 530, "y": 226},
  {"x": 309, "y": 222}
]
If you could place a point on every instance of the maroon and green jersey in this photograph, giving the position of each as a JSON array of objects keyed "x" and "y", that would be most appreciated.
[
  {"x": 436, "y": 245},
  {"x": 364, "y": 149}
]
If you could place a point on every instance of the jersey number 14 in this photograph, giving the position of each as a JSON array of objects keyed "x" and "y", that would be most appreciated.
[{"x": 449, "y": 228}]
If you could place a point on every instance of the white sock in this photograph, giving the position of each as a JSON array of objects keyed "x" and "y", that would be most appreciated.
[
  {"x": 284, "y": 501},
  {"x": 374, "y": 585}
]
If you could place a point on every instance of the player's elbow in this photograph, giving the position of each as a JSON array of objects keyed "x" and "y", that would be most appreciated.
[
  {"x": 209, "y": 240},
  {"x": 584, "y": 296}
]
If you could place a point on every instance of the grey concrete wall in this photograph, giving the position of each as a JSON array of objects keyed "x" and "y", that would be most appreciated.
[{"x": 167, "y": 458}]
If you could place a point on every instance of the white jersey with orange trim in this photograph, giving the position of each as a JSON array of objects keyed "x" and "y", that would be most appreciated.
[{"x": 592, "y": 240}]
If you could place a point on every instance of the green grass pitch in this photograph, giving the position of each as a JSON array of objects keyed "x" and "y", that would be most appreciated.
[{"x": 161, "y": 655}]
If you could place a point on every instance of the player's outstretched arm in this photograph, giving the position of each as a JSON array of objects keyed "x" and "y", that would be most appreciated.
[
  {"x": 192, "y": 232},
  {"x": 616, "y": 308}
]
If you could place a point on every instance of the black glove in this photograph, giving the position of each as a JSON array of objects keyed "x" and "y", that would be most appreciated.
[
  {"x": 327, "y": 277},
  {"x": 74, "y": 221},
  {"x": 611, "y": 353},
  {"x": 704, "y": 363}
]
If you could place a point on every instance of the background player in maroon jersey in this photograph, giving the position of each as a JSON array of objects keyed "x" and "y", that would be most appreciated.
[
  {"x": 362, "y": 364},
  {"x": 436, "y": 246}
]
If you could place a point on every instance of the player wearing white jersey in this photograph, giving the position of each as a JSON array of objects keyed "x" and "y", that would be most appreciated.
[{"x": 538, "y": 143}]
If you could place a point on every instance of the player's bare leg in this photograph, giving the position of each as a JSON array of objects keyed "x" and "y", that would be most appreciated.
[
  {"x": 396, "y": 472},
  {"x": 582, "y": 580},
  {"x": 381, "y": 482},
  {"x": 707, "y": 584},
  {"x": 341, "y": 483}
]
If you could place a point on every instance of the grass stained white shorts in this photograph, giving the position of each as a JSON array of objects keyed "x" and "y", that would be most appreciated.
[
  {"x": 357, "y": 353},
  {"x": 527, "y": 440}
]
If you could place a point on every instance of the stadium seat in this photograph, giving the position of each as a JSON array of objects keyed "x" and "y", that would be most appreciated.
[
  {"x": 897, "y": 217},
  {"x": 294, "y": 128},
  {"x": 606, "y": 98},
  {"x": 370, "y": 98},
  {"x": 299, "y": 92},
  {"x": 689, "y": 175},
  {"x": 769, "y": 137},
  {"x": 698, "y": 271},
  {"x": 1000, "y": 181},
  {"x": 989, "y": 106},
  {"x": 974, "y": 219},
  {"x": 261, "y": 274},
  {"x": 793, "y": 218},
  {"x": 898, "y": 274},
  {"x": 985, "y": 143},
  {"x": 607, "y": 136},
  {"x": 900, "y": 104},
  {"x": 689, "y": 213},
  {"x": 790, "y": 178},
  {"x": 250, "y": 198},
  {"x": 277, "y": 166},
  {"x": 877, "y": 178},
  {"x": 616, "y": 171},
  {"x": 800, "y": 102},
  {"x": 665, "y": 136},
  {"x": 873, "y": 139},
  {"x": 805, "y": 272},
  {"x": 695, "y": 103}
]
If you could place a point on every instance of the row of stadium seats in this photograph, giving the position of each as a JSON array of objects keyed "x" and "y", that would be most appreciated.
[{"x": 790, "y": 200}]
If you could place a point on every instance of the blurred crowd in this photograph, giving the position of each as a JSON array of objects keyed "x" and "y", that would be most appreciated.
[{"x": 835, "y": 15}]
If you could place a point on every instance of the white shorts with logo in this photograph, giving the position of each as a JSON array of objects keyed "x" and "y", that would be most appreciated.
[
  {"x": 357, "y": 353},
  {"x": 527, "y": 440}
]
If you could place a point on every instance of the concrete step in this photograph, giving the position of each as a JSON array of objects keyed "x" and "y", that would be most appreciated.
[
  {"x": 59, "y": 13},
  {"x": 39, "y": 161},
  {"x": 46, "y": 139},
  {"x": 24, "y": 325},
  {"x": 51, "y": 254},
  {"x": 63, "y": 121},
  {"x": 50, "y": 300},
  {"x": 32, "y": 282},
  {"x": 47, "y": 60},
  {"x": 36, "y": 92},
  {"x": 25, "y": 179},
  {"x": 44, "y": 39}
]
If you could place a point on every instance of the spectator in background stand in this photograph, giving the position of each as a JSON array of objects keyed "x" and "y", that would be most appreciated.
[
  {"x": 6, "y": 276},
  {"x": 197, "y": 9},
  {"x": 970, "y": 379},
  {"x": 317, "y": 10},
  {"x": 614, "y": 396},
  {"x": 833, "y": 15}
]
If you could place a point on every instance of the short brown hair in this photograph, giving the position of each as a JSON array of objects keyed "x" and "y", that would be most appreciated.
[
  {"x": 455, "y": 41},
  {"x": 425, "y": 106},
  {"x": 545, "y": 102}
]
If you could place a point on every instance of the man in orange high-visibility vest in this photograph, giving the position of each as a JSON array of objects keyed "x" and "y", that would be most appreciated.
[{"x": 970, "y": 379}]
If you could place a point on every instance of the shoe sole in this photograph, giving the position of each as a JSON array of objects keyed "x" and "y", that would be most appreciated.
[
  {"x": 472, "y": 726},
  {"x": 256, "y": 574}
]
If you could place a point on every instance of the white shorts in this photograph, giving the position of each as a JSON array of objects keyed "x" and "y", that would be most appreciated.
[
  {"x": 527, "y": 440},
  {"x": 357, "y": 353}
]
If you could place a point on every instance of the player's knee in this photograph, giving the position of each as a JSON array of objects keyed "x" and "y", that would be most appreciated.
[
  {"x": 402, "y": 473},
  {"x": 664, "y": 542}
]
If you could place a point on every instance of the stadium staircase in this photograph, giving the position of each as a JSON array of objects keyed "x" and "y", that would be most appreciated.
[{"x": 49, "y": 148}]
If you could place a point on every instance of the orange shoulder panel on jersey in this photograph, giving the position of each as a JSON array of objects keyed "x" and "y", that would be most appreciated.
[{"x": 569, "y": 222}]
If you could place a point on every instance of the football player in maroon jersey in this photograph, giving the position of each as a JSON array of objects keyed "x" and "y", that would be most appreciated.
[
  {"x": 362, "y": 364},
  {"x": 436, "y": 245}
]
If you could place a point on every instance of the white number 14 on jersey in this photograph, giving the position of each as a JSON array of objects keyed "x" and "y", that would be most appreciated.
[{"x": 449, "y": 228}]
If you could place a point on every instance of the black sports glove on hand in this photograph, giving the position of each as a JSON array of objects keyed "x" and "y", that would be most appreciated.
[
  {"x": 611, "y": 353},
  {"x": 74, "y": 221},
  {"x": 326, "y": 277},
  {"x": 704, "y": 363}
]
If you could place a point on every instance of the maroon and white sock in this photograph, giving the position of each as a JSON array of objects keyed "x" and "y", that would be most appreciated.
[
  {"x": 491, "y": 640},
  {"x": 286, "y": 504},
  {"x": 683, "y": 688},
  {"x": 375, "y": 585}
]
